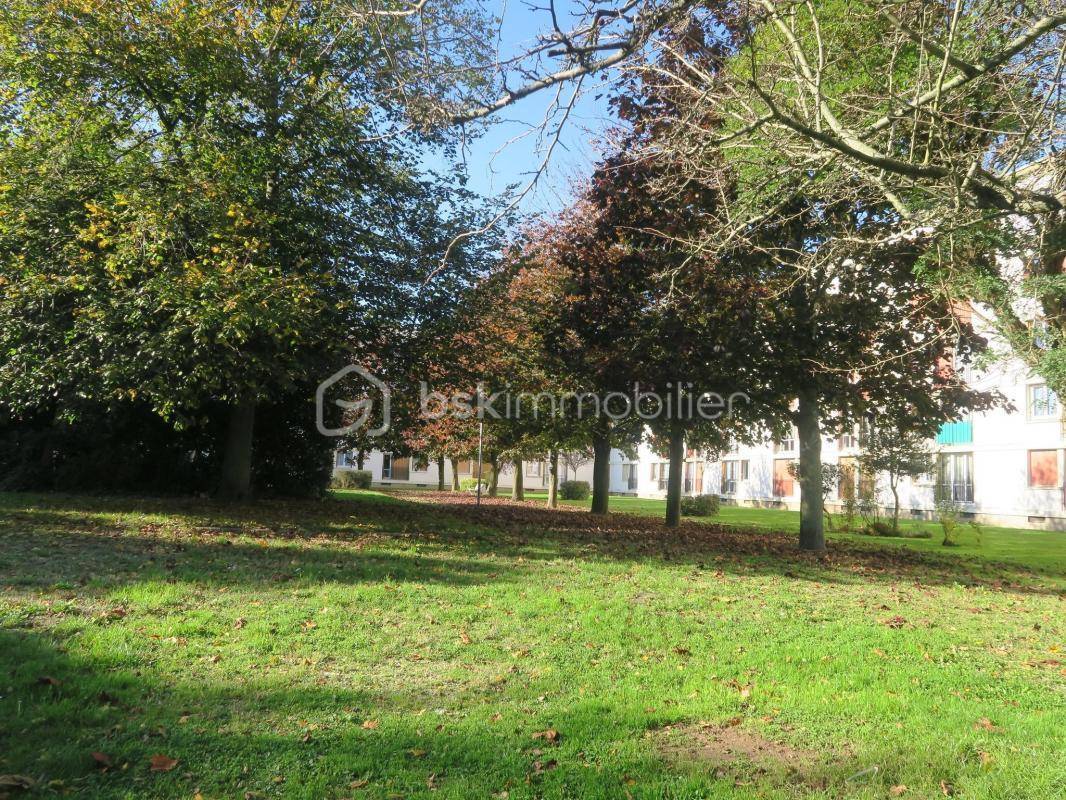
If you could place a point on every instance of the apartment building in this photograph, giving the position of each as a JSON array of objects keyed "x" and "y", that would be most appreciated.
[
  {"x": 398, "y": 471},
  {"x": 1002, "y": 467}
]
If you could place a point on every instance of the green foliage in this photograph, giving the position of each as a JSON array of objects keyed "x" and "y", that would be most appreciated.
[
  {"x": 948, "y": 515},
  {"x": 849, "y": 508},
  {"x": 126, "y": 446},
  {"x": 470, "y": 485},
  {"x": 701, "y": 505},
  {"x": 353, "y": 479},
  {"x": 882, "y": 528},
  {"x": 196, "y": 207},
  {"x": 574, "y": 490}
]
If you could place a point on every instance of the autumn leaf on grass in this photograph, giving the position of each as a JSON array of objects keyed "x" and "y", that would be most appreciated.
[
  {"x": 898, "y": 790},
  {"x": 464, "y": 637},
  {"x": 358, "y": 784},
  {"x": 543, "y": 766},
  {"x": 48, "y": 680},
  {"x": 240, "y": 623},
  {"x": 744, "y": 689},
  {"x": 947, "y": 789},
  {"x": 894, "y": 622},
  {"x": 550, "y": 735},
  {"x": 370, "y": 724},
  {"x": 102, "y": 759},
  {"x": 985, "y": 724},
  {"x": 162, "y": 763}
]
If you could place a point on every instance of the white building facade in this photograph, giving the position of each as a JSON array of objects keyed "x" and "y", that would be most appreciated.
[{"x": 1003, "y": 467}]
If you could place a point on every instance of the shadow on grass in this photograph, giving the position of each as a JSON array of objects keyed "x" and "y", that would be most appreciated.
[
  {"x": 259, "y": 738},
  {"x": 424, "y": 537},
  {"x": 629, "y": 536}
]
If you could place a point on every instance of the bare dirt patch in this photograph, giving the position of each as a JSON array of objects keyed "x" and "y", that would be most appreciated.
[{"x": 728, "y": 748}]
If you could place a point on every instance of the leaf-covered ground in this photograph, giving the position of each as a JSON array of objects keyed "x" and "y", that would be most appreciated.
[{"x": 416, "y": 646}]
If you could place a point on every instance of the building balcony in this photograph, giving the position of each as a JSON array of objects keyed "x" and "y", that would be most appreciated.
[{"x": 952, "y": 433}]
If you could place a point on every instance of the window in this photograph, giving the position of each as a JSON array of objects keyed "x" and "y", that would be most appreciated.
[
  {"x": 629, "y": 476},
  {"x": 853, "y": 484},
  {"x": 396, "y": 469},
  {"x": 784, "y": 484},
  {"x": 733, "y": 472},
  {"x": 660, "y": 474},
  {"x": 786, "y": 444},
  {"x": 1043, "y": 403},
  {"x": 347, "y": 458},
  {"x": 534, "y": 469},
  {"x": 955, "y": 477},
  {"x": 1044, "y": 469},
  {"x": 848, "y": 440}
]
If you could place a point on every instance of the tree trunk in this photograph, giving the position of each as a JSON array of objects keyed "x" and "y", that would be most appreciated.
[
  {"x": 360, "y": 459},
  {"x": 494, "y": 479},
  {"x": 440, "y": 473},
  {"x": 601, "y": 473},
  {"x": 518, "y": 489},
  {"x": 455, "y": 475},
  {"x": 808, "y": 426},
  {"x": 236, "y": 481},
  {"x": 673, "y": 482},
  {"x": 553, "y": 479},
  {"x": 895, "y": 506}
]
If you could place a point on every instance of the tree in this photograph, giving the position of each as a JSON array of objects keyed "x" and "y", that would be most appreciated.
[
  {"x": 899, "y": 453},
  {"x": 640, "y": 313},
  {"x": 848, "y": 336},
  {"x": 949, "y": 113},
  {"x": 199, "y": 208}
]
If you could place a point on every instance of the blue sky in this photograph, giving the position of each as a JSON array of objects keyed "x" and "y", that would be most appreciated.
[{"x": 494, "y": 161}]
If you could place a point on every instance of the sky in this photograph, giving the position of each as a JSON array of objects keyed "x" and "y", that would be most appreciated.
[{"x": 498, "y": 160}]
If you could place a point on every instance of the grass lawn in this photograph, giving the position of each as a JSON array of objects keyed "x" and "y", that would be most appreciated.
[
  {"x": 1036, "y": 549},
  {"x": 374, "y": 646}
]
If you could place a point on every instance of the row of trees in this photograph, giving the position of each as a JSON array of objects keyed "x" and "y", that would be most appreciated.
[
  {"x": 817, "y": 333},
  {"x": 205, "y": 208}
]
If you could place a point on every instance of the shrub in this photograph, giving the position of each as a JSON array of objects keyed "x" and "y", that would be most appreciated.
[
  {"x": 353, "y": 479},
  {"x": 849, "y": 510},
  {"x": 882, "y": 528},
  {"x": 703, "y": 505},
  {"x": 879, "y": 528},
  {"x": 947, "y": 514},
  {"x": 574, "y": 490},
  {"x": 470, "y": 485},
  {"x": 919, "y": 534}
]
